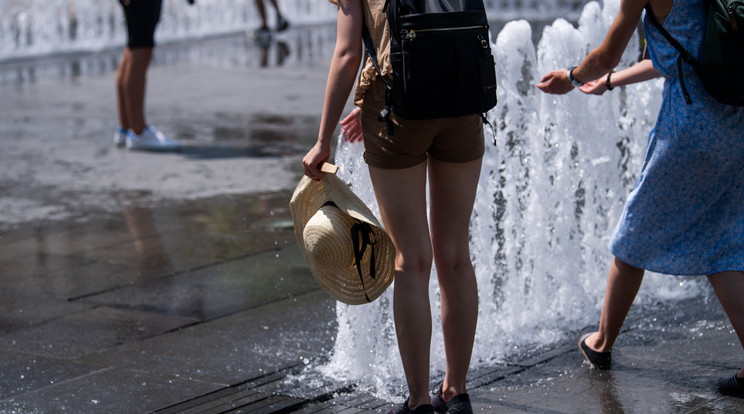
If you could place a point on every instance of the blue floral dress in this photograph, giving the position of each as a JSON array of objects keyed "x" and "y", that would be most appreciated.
[{"x": 685, "y": 215}]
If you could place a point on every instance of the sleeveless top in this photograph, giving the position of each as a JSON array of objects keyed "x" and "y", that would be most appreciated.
[
  {"x": 686, "y": 23},
  {"x": 376, "y": 22}
]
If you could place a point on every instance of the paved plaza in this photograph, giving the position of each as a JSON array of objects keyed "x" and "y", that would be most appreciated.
[{"x": 138, "y": 282}]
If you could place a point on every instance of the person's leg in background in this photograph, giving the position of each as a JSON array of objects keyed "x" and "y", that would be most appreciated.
[
  {"x": 142, "y": 17},
  {"x": 131, "y": 83},
  {"x": 120, "y": 136},
  {"x": 729, "y": 287},
  {"x": 622, "y": 287},
  {"x": 281, "y": 23}
]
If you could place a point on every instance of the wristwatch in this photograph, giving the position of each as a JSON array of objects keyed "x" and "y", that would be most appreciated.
[
  {"x": 608, "y": 83},
  {"x": 575, "y": 82}
]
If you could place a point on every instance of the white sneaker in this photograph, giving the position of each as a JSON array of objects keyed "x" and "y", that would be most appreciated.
[
  {"x": 150, "y": 140},
  {"x": 120, "y": 137}
]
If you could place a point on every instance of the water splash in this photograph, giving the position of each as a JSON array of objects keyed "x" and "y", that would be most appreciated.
[{"x": 550, "y": 194}]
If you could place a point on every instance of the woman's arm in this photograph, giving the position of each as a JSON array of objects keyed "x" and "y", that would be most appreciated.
[
  {"x": 604, "y": 58},
  {"x": 640, "y": 72},
  {"x": 345, "y": 62}
]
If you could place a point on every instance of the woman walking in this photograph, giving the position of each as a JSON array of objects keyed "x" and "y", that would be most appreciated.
[{"x": 685, "y": 215}]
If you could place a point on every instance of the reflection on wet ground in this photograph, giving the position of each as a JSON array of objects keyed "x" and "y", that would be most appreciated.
[
  {"x": 302, "y": 46},
  {"x": 246, "y": 135},
  {"x": 73, "y": 261},
  {"x": 226, "y": 134},
  {"x": 78, "y": 297}
]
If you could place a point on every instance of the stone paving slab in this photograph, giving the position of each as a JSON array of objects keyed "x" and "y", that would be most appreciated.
[
  {"x": 108, "y": 390},
  {"x": 23, "y": 372},
  {"x": 20, "y": 311},
  {"x": 218, "y": 290},
  {"x": 235, "y": 348},
  {"x": 78, "y": 334}
]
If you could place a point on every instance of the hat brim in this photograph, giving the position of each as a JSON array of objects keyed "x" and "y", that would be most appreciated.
[{"x": 345, "y": 285}]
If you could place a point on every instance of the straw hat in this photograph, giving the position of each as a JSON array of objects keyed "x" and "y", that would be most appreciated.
[{"x": 345, "y": 246}]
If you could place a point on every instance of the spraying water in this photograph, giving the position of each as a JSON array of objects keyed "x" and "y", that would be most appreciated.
[{"x": 552, "y": 189}]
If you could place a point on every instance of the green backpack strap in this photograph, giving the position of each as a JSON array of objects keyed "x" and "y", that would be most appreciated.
[
  {"x": 683, "y": 53},
  {"x": 721, "y": 62}
]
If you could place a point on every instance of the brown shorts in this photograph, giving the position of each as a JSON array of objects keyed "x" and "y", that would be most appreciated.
[{"x": 458, "y": 139}]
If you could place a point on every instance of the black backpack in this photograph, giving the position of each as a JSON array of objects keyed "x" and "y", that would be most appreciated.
[
  {"x": 721, "y": 66},
  {"x": 441, "y": 59}
]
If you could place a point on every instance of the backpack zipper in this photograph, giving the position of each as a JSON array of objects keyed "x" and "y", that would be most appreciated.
[{"x": 410, "y": 35}]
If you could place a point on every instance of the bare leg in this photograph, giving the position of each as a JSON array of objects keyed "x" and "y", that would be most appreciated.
[
  {"x": 622, "y": 286},
  {"x": 276, "y": 7},
  {"x": 121, "y": 74},
  {"x": 281, "y": 23},
  {"x": 133, "y": 86},
  {"x": 262, "y": 12},
  {"x": 729, "y": 287},
  {"x": 452, "y": 192},
  {"x": 401, "y": 195}
]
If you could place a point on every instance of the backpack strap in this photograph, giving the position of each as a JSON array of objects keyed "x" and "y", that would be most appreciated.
[
  {"x": 484, "y": 117},
  {"x": 683, "y": 53},
  {"x": 369, "y": 45}
]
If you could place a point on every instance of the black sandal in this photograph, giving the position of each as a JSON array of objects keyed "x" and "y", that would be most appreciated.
[
  {"x": 598, "y": 360},
  {"x": 459, "y": 404},
  {"x": 732, "y": 385},
  {"x": 403, "y": 409}
]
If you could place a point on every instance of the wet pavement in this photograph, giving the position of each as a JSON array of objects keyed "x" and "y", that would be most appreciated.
[{"x": 171, "y": 282}]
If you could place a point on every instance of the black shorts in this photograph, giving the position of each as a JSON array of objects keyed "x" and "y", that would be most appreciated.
[{"x": 142, "y": 16}]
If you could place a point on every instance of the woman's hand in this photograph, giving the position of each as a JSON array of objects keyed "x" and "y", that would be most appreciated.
[
  {"x": 555, "y": 82},
  {"x": 595, "y": 87},
  {"x": 314, "y": 158},
  {"x": 351, "y": 127}
]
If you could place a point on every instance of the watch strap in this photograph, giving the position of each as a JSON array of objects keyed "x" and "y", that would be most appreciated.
[{"x": 575, "y": 82}]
